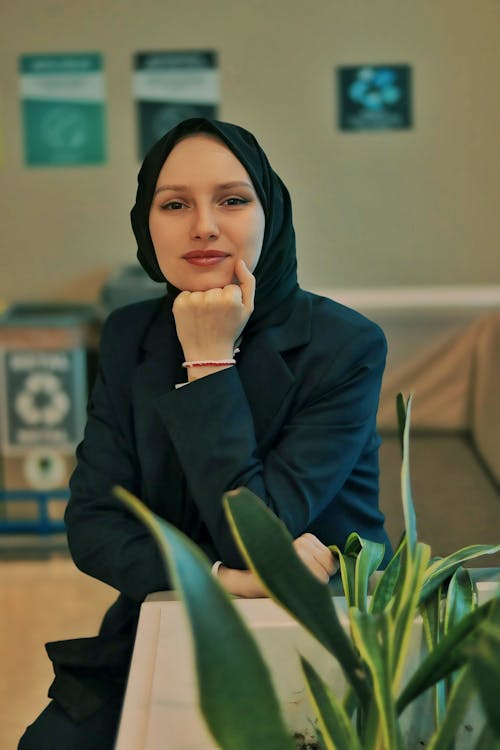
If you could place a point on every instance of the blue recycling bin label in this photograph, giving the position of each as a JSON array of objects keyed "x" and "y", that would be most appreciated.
[{"x": 44, "y": 398}]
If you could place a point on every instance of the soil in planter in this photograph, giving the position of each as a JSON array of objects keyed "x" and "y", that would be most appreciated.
[{"x": 305, "y": 744}]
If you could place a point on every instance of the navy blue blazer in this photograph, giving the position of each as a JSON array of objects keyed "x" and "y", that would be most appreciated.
[{"x": 294, "y": 422}]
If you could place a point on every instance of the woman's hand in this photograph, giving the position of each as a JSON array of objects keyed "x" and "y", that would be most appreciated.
[
  {"x": 315, "y": 556},
  {"x": 208, "y": 323}
]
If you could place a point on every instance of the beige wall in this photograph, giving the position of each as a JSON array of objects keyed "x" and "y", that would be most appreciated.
[{"x": 373, "y": 209}]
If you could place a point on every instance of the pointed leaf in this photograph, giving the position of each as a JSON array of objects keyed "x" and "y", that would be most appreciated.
[
  {"x": 484, "y": 656},
  {"x": 373, "y": 637},
  {"x": 406, "y": 605},
  {"x": 433, "y": 631},
  {"x": 448, "y": 655},
  {"x": 387, "y": 583},
  {"x": 236, "y": 694},
  {"x": 337, "y": 730},
  {"x": 460, "y": 696},
  {"x": 460, "y": 598},
  {"x": 360, "y": 559},
  {"x": 440, "y": 570},
  {"x": 408, "y": 507},
  {"x": 401, "y": 418},
  {"x": 267, "y": 548},
  {"x": 347, "y": 565}
]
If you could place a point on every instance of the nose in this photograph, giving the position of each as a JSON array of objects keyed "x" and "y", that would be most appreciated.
[{"x": 204, "y": 224}]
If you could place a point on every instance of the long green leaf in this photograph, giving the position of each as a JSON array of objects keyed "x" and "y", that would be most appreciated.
[
  {"x": 408, "y": 507},
  {"x": 461, "y": 598},
  {"x": 448, "y": 655},
  {"x": 484, "y": 656},
  {"x": 406, "y": 606},
  {"x": 347, "y": 564},
  {"x": 433, "y": 630},
  {"x": 267, "y": 548},
  {"x": 440, "y": 570},
  {"x": 360, "y": 558},
  {"x": 236, "y": 694},
  {"x": 373, "y": 637},
  {"x": 458, "y": 702},
  {"x": 337, "y": 730},
  {"x": 401, "y": 418},
  {"x": 387, "y": 583}
]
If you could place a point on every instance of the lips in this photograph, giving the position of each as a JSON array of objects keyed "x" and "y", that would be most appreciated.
[
  {"x": 205, "y": 257},
  {"x": 205, "y": 254}
]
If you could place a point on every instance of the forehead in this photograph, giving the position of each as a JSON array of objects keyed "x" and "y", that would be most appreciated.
[{"x": 202, "y": 155}]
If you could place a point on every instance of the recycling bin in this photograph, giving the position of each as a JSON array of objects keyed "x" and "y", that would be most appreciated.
[{"x": 46, "y": 356}]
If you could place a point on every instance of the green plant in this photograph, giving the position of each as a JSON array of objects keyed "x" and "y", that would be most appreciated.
[{"x": 237, "y": 698}]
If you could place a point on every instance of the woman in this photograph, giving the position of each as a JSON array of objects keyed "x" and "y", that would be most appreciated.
[{"x": 236, "y": 378}]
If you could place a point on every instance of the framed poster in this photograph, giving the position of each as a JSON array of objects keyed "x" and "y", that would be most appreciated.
[
  {"x": 374, "y": 97},
  {"x": 62, "y": 102},
  {"x": 172, "y": 86}
]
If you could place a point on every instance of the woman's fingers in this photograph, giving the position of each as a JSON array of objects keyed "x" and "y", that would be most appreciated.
[
  {"x": 208, "y": 323},
  {"x": 316, "y": 556},
  {"x": 246, "y": 280}
]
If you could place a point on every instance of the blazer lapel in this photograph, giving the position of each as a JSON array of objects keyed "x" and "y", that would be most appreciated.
[
  {"x": 264, "y": 372},
  {"x": 158, "y": 373}
]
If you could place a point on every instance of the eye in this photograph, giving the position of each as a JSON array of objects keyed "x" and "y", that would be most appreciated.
[
  {"x": 235, "y": 201},
  {"x": 172, "y": 206}
]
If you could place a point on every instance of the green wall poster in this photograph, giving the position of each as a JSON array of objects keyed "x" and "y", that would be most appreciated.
[
  {"x": 170, "y": 87},
  {"x": 62, "y": 101}
]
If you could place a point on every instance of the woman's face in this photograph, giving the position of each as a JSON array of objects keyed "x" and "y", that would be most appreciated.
[{"x": 204, "y": 216}]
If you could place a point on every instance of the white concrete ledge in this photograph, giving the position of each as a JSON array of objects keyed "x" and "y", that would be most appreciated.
[{"x": 475, "y": 297}]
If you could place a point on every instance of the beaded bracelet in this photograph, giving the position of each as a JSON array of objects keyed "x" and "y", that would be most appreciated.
[
  {"x": 209, "y": 363},
  {"x": 212, "y": 362}
]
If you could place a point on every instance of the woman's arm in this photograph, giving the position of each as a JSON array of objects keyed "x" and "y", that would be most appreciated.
[{"x": 329, "y": 425}]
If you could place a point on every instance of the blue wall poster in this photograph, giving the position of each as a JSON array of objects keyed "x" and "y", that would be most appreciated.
[
  {"x": 62, "y": 100},
  {"x": 172, "y": 86},
  {"x": 374, "y": 97}
]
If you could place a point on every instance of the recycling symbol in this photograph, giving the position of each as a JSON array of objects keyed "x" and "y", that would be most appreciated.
[{"x": 42, "y": 400}]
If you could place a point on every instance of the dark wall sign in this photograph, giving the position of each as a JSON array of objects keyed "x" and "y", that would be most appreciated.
[
  {"x": 170, "y": 87},
  {"x": 374, "y": 97}
]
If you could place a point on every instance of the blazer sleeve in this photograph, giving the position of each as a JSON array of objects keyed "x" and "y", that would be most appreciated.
[
  {"x": 320, "y": 442},
  {"x": 105, "y": 540}
]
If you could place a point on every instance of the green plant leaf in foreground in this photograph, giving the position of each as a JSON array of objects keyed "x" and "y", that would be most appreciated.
[
  {"x": 460, "y": 695},
  {"x": 267, "y": 548},
  {"x": 360, "y": 558},
  {"x": 336, "y": 728},
  {"x": 447, "y": 656},
  {"x": 460, "y": 598},
  {"x": 236, "y": 694},
  {"x": 373, "y": 637},
  {"x": 406, "y": 496},
  {"x": 441, "y": 569},
  {"x": 484, "y": 656}
]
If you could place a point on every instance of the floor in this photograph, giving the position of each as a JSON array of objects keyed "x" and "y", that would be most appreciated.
[{"x": 40, "y": 600}]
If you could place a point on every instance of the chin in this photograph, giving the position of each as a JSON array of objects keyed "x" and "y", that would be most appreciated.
[{"x": 207, "y": 281}]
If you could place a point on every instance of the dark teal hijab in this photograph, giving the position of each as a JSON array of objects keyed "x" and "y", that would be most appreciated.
[{"x": 276, "y": 270}]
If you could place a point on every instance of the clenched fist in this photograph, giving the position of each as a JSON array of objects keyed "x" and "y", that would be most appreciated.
[{"x": 208, "y": 323}]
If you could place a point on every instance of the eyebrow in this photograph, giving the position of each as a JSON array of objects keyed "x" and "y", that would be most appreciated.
[{"x": 223, "y": 186}]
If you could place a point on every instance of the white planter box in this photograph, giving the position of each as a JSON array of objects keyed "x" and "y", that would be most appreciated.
[{"x": 160, "y": 711}]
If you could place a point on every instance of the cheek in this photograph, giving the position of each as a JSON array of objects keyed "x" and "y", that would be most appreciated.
[{"x": 256, "y": 237}]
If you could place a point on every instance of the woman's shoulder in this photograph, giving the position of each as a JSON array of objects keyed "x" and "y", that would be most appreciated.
[
  {"x": 328, "y": 315},
  {"x": 134, "y": 318},
  {"x": 126, "y": 327}
]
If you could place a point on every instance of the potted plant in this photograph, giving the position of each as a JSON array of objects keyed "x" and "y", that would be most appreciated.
[{"x": 460, "y": 663}]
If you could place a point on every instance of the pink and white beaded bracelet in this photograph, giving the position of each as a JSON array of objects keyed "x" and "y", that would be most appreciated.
[{"x": 211, "y": 362}]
